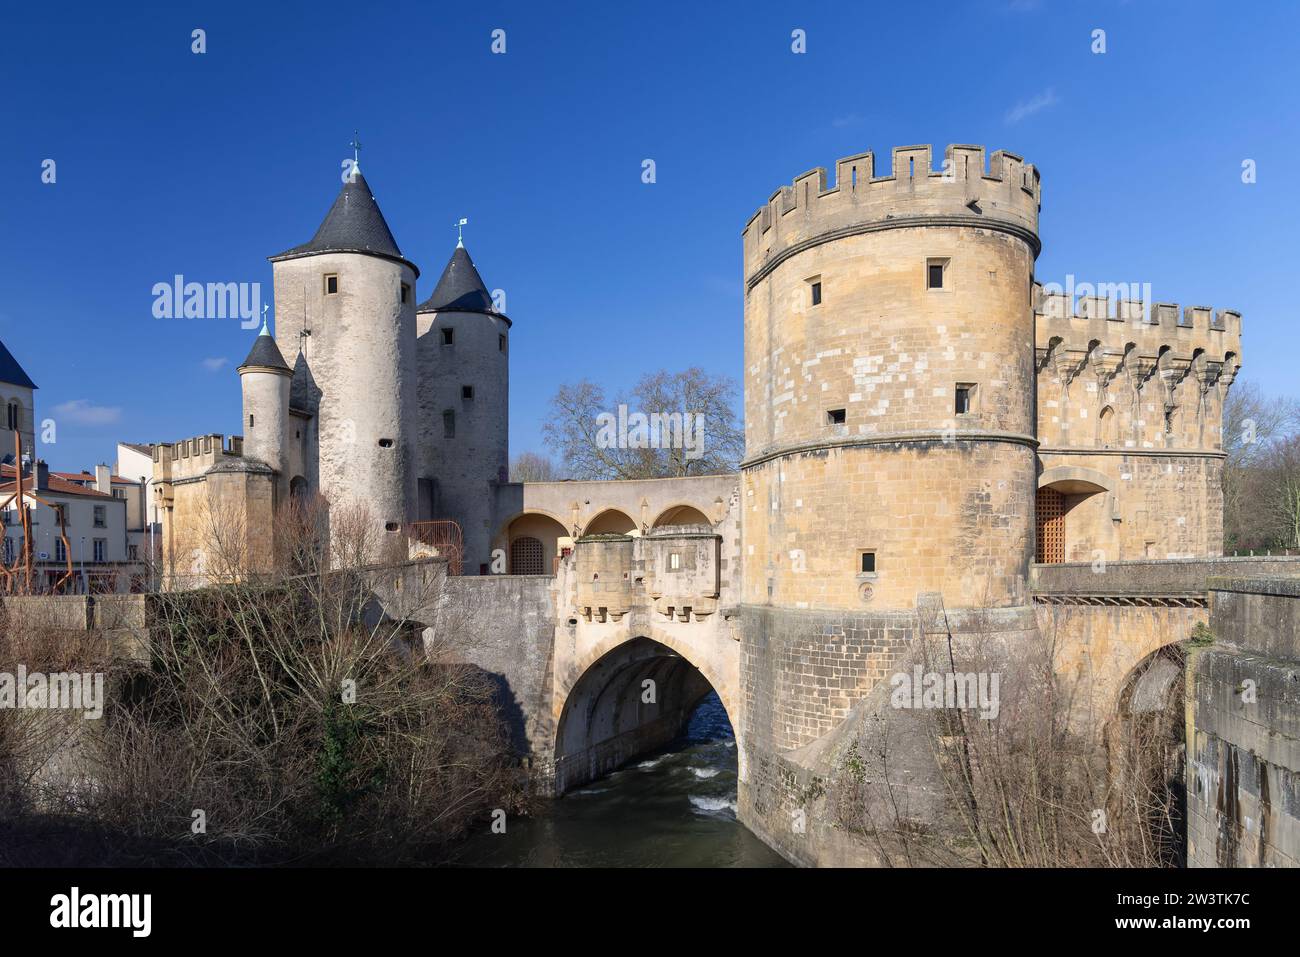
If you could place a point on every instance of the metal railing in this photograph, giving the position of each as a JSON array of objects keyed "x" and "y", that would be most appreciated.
[{"x": 445, "y": 536}]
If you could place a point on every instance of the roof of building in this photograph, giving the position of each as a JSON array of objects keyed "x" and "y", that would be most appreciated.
[
  {"x": 265, "y": 353},
  {"x": 12, "y": 372},
  {"x": 84, "y": 476},
  {"x": 460, "y": 289},
  {"x": 137, "y": 447},
  {"x": 56, "y": 484},
  {"x": 354, "y": 224}
]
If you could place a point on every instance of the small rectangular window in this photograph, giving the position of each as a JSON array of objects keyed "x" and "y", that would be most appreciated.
[
  {"x": 331, "y": 284},
  {"x": 935, "y": 273},
  {"x": 817, "y": 294},
  {"x": 835, "y": 416},
  {"x": 406, "y": 293},
  {"x": 100, "y": 519},
  {"x": 467, "y": 392},
  {"x": 867, "y": 563},
  {"x": 674, "y": 560},
  {"x": 449, "y": 424},
  {"x": 250, "y": 420},
  {"x": 448, "y": 336},
  {"x": 101, "y": 548},
  {"x": 965, "y": 398},
  {"x": 501, "y": 343}
]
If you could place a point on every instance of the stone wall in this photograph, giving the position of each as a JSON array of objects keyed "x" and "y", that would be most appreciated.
[{"x": 1243, "y": 762}]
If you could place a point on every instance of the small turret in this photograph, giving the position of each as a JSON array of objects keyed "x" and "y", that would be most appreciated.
[{"x": 264, "y": 378}]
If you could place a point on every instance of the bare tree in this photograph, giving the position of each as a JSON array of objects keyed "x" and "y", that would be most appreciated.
[
  {"x": 669, "y": 425},
  {"x": 320, "y": 710},
  {"x": 533, "y": 467},
  {"x": 1254, "y": 426}
]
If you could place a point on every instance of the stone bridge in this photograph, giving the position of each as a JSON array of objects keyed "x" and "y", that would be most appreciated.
[{"x": 607, "y": 658}]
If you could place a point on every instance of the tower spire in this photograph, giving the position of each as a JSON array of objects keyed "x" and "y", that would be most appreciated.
[
  {"x": 460, "y": 233},
  {"x": 356, "y": 151}
]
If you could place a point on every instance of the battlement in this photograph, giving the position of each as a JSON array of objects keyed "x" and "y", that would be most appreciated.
[
  {"x": 1005, "y": 194},
  {"x": 189, "y": 458},
  {"x": 1088, "y": 322}
]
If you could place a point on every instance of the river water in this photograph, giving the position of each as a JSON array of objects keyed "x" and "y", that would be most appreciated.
[{"x": 676, "y": 808}]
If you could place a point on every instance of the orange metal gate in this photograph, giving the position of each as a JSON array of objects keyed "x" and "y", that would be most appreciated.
[{"x": 1050, "y": 540}]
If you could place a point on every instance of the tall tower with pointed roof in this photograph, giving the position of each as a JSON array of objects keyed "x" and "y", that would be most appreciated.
[
  {"x": 345, "y": 313},
  {"x": 463, "y": 350}
]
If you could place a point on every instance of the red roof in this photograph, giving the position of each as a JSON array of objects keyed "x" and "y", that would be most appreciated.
[
  {"x": 84, "y": 476},
  {"x": 9, "y": 484}
]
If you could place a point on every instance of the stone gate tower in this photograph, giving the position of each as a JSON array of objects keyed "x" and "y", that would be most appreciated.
[
  {"x": 889, "y": 418},
  {"x": 463, "y": 354},
  {"x": 345, "y": 309}
]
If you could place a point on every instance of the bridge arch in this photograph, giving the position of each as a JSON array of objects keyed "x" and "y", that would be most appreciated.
[{"x": 605, "y": 717}]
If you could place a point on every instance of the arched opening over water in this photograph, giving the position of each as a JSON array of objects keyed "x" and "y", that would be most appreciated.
[
  {"x": 1148, "y": 753},
  {"x": 633, "y": 700}
]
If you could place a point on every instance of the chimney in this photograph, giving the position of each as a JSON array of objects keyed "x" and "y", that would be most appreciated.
[
  {"x": 103, "y": 479},
  {"x": 42, "y": 475}
]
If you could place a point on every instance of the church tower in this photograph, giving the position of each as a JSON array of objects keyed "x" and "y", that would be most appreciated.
[
  {"x": 345, "y": 309},
  {"x": 463, "y": 348}
]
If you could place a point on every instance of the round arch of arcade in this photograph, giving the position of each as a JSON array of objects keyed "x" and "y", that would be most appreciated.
[
  {"x": 533, "y": 540},
  {"x": 682, "y": 513}
]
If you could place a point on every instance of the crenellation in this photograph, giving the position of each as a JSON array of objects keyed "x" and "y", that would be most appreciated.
[{"x": 1004, "y": 197}]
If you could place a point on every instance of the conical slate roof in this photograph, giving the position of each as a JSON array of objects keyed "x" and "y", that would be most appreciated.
[
  {"x": 354, "y": 224},
  {"x": 11, "y": 371},
  {"x": 460, "y": 289},
  {"x": 265, "y": 353}
]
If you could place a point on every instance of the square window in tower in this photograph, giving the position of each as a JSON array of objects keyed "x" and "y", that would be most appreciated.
[
  {"x": 406, "y": 293},
  {"x": 936, "y": 273},
  {"x": 965, "y": 398},
  {"x": 449, "y": 424},
  {"x": 448, "y": 336},
  {"x": 331, "y": 284},
  {"x": 501, "y": 343},
  {"x": 836, "y": 416},
  {"x": 467, "y": 392}
]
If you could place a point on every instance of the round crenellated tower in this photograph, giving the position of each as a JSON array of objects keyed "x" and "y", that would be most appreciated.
[
  {"x": 889, "y": 412},
  {"x": 463, "y": 356},
  {"x": 345, "y": 309},
  {"x": 889, "y": 401}
]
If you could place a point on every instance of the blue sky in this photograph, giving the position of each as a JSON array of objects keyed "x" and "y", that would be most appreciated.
[{"x": 170, "y": 162}]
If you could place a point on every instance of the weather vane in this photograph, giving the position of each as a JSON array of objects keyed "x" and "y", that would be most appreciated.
[
  {"x": 460, "y": 233},
  {"x": 356, "y": 150}
]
